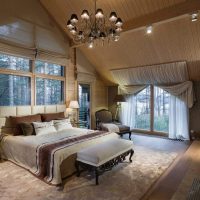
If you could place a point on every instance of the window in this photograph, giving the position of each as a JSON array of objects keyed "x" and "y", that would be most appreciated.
[
  {"x": 14, "y": 63},
  {"x": 49, "y": 91},
  {"x": 152, "y": 110},
  {"x": 143, "y": 109},
  {"x": 161, "y": 110},
  {"x": 14, "y": 90},
  {"x": 48, "y": 68},
  {"x": 18, "y": 81}
]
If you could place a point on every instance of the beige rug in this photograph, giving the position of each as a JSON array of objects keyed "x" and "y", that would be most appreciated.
[{"x": 127, "y": 181}]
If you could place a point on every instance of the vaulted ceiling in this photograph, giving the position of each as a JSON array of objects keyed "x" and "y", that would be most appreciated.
[{"x": 174, "y": 36}]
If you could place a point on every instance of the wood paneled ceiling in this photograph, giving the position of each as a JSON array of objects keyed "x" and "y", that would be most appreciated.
[{"x": 172, "y": 40}]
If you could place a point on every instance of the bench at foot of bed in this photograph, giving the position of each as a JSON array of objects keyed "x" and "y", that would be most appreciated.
[{"x": 104, "y": 156}]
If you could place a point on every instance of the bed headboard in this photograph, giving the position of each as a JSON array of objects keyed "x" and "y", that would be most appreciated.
[{"x": 6, "y": 111}]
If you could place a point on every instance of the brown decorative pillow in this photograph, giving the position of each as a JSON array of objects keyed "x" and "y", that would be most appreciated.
[
  {"x": 27, "y": 128},
  {"x": 15, "y": 122},
  {"x": 52, "y": 116}
]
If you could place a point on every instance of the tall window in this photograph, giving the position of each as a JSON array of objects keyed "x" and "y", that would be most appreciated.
[
  {"x": 152, "y": 110},
  {"x": 14, "y": 63},
  {"x": 21, "y": 77},
  {"x": 14, "y": 90},
  {"x": 161, "y": 110},
  {"x": 49, "y": 91},
  {"x": 143, "y": 109}
]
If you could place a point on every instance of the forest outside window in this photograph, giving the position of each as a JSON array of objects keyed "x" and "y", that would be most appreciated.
[
  {"x": 152, "y": 110},
  {"x": 48, "y": 68},
  {"x": 21, "y": 78},
  {"x": 14, "y": 63},
  {"x": 14, "y": 90},
  {"x": 49, "y": 91}
]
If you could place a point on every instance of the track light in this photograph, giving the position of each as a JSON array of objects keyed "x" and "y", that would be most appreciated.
[
  {"x": 149, "y": 29},
  {"x": 194, "y": 17}
]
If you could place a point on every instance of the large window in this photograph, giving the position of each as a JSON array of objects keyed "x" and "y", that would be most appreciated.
[
  {"x": 143, "y": 109},
  {"x": 161, "y": 110},
  {"x": 22, "y": 78},
  {"x": 14, "y": 90},
  {"x": 49, "y": 91},
  {"x": 152, "y": 110},
  {"x": 48, "y": 68},
  {"x": 14, "y": 63}
]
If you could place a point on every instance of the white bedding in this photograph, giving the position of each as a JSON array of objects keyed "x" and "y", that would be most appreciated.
[{"x": 22, "y": 149}]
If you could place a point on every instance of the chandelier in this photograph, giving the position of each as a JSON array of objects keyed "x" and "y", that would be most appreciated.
[{"x": 94, "y": 28}]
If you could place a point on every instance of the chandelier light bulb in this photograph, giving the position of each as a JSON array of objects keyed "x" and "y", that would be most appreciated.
[
  {"x": 119, "y": 22},
  {"x": 118, "y": 29},
  {"x": 149, "y": 29},
  {"x": 194, "y": 17},
  {"x": 73, "y": 31},
  {"x": 69, "y": 25},
  {"x": 91, "y": 45},
  {"x": 74, "y": 19},
  {"x": 102, "y": 35},
  {"x": 113, "y": 16},
  {"x": 99, "y": 14},
  {"x": 80, "y": 35},
  {"x": 116, "y": 38},
  {"x": 85, "y": 15}
]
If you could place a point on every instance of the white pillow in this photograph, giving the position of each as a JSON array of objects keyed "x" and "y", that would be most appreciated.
[
  {"x": 62, "y": 124},
  {"x": 42, "y": 128}
]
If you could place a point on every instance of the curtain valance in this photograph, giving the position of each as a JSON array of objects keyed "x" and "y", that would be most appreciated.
[
  {"x": 133, "y": 80},
  {"x": 157, "y": 74}
]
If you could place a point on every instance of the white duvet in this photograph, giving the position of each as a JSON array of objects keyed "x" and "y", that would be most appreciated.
[{"x": 22, "y": 149}]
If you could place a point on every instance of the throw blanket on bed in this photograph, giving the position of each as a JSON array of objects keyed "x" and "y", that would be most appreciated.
[
  {"x": 45, "y": 153},
  {"x": 111, "y": 127}
]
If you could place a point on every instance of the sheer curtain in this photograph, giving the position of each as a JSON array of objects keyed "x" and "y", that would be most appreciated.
[
  {"x": 178, "y": 116},
  {"x": 178, "y": 119},
  {"x": 127, "y": 111}
]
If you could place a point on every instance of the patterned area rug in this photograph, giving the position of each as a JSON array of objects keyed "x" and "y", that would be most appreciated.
[{"x": 127, "y": 181}]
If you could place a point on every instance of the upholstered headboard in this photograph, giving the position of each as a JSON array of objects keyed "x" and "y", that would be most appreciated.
[{"x": 6, "y": 111}]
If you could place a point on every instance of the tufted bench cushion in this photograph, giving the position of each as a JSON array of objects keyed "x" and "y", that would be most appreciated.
[
  {"x": 103, "y": 156},
  {"x": 99, "y": 154}
]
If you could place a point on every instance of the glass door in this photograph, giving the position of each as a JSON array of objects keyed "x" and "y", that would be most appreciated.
[{"x": 84, "y": 103}]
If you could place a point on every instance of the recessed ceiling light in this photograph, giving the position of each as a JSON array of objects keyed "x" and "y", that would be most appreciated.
[
  {"x": 149, "y": 29},
  {"x": 194, "y": 17}
]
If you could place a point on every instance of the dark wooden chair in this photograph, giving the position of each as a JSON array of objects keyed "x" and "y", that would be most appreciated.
[{"x": 104, "y": 116}]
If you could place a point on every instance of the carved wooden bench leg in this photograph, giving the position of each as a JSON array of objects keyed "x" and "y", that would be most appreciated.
[
  {"x": 131, "y": 154},
  {"x": 97, "y": 176},
  {"x": 77, "y": 168},
  {"x": 129, "y": 135}
]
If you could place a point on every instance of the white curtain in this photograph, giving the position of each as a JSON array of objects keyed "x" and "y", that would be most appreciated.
[
  {"x": 178, "y": 119},
  {"x": 168, "y": 73},
  {"x": 178, "y": 116},
  {"x": 127, "y": 111}
]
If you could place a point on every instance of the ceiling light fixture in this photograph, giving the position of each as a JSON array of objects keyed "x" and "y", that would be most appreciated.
[
  {"x": 194, "y": 17},
  {"x": 149, "y": 29},
  {"x": 94, "y": 28}
]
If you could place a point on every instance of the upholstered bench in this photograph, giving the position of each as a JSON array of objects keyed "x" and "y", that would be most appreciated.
[{"x": 104, "y": 156}]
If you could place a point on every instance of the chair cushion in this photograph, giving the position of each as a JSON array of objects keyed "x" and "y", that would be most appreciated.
[
  {"x": 123, "y": 128},
  {"x": 99, "y": 154}
]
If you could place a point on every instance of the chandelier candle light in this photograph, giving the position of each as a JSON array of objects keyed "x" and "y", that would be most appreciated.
[{"x": 94, "y": 28}]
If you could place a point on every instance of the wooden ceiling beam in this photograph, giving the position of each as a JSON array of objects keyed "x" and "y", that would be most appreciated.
[{"x": 171, "y": 12}]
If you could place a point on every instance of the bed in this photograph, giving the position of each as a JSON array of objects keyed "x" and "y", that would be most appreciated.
[{"x": 50, "y": 157}]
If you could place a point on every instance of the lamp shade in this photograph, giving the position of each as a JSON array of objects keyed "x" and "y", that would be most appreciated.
[
  {"x": 119, "y": 98},
  {"x": 73, "y": 104}
]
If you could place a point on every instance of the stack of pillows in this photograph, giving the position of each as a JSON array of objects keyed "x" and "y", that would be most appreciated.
[{"x": 39, "y": 124}]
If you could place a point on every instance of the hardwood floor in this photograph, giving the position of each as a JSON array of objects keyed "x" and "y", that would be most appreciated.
[{"x": 168, "y": 183}]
